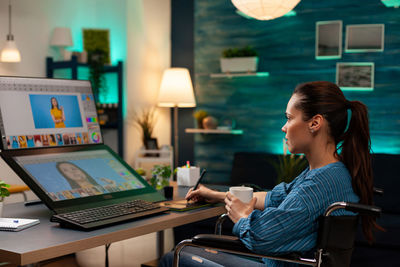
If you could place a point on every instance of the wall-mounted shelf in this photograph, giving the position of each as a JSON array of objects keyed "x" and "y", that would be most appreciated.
[
  {"x": 239, "y": 74},
  {"x": 214, "y": 131}
]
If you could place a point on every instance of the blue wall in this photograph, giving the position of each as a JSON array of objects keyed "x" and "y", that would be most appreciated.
[{"x": 286, "y": 48}]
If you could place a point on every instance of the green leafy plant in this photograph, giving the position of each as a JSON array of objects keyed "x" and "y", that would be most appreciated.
[
  {"x": 96, "y": 61},
  {"x": 160, "y": 175},
  {"x": 3, "y": 190},
  {"x": 145, "y": 121},
  {"x": 246, "y": 51},
  {"x": 199, "y": 115},
  {"x": 289, "y": 167}
]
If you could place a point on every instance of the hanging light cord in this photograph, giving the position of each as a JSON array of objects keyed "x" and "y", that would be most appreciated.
[{"x": 10, "y": 37}]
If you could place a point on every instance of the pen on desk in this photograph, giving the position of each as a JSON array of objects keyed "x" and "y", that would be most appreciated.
[
  {"x": 15, "y": 221},
  {"x": 198, "y": 181}
]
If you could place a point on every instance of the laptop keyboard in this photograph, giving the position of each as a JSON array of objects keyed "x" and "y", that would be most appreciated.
[{"x": 108, "y": 212}]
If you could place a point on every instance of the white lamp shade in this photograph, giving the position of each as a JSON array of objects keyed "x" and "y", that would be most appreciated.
[
  {"x": 10, "y": 52},
  {"x": 265, "y": 9},
  {"x": 176, "y": 89},
  {"x": 61, "y": 37}
]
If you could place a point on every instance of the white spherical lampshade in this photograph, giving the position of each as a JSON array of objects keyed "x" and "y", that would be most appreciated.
[{"x": 265, "y": 9}]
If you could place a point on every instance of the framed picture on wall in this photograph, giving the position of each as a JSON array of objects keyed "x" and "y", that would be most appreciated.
[
  {"x": 355, "y": 76},
  {"x": 328, "y": 39},
  {"x": 365, "y": 38}
]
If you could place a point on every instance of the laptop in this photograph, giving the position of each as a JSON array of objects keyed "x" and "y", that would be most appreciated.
[{"x": 51, "y": 137}]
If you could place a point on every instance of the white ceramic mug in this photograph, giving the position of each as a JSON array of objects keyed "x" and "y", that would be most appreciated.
[{"x": 244, "y": 193}]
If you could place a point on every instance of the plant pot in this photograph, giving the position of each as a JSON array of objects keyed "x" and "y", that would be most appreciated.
[
  {"x": 200, "y": 124},
  {"x": 1, "y": 209},
  {"x": 239, "y": 64},
  {"x": 168, "y": 192},
  {"x": 210, "y": 122}
]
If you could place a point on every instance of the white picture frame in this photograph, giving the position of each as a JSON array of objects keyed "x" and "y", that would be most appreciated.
[
  {"x": 357, "y": 76},
  {"x": 328, "y": 39},
  {"x": 365, "y": 38}
]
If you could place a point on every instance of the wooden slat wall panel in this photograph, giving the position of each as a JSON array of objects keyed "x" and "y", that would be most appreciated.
[{"x": 286, "y": 48}]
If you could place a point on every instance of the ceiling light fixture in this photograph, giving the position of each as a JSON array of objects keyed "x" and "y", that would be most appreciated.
[
  {"x": 10, "y": 52},
  {"x": 265, "y": 9}
]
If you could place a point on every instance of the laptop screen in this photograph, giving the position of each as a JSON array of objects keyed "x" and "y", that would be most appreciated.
[
  {"x": 78, "y": 174},
  {"x": 38, "y": 112}
]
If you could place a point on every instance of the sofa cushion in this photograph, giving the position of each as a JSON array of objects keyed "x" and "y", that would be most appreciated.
[{"x": 254, "y": 168}]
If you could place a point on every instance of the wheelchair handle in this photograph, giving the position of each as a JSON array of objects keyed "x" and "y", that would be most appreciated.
[
  {"x": 378, "y": 191},
  {"x": 218, "y": 224},
  {"x": 354, "y": 207}
]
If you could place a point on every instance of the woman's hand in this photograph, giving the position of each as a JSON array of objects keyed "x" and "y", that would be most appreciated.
[
  {"x": 236, "y": 209},
  {"x": 203, "y": 193}
]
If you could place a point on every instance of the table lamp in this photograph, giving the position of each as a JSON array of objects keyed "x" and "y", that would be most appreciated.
[
  {"x": 62, "y": 38},
  {"x": 176, "y": 91}
]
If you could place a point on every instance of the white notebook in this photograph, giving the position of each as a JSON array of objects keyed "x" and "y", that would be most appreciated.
[{"x": 16, "y": 224}]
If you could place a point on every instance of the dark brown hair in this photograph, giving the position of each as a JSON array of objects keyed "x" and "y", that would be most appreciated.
[{"x": 326, "y": 99}]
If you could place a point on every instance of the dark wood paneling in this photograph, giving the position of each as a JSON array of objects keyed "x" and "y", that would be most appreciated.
[{"x": 286, "y": 48}]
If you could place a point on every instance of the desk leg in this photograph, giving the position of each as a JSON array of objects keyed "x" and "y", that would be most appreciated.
[{"x": 160, "y": 244}]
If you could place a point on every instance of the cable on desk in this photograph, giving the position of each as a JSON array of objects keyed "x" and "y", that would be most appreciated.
[{"x": 107, "y": 247}]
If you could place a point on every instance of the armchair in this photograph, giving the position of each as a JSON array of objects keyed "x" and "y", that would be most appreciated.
[{"x": 334, "y": 245}]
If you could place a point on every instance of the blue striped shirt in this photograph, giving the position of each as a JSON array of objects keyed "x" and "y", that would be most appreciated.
[{"x": 289, "y": 222}]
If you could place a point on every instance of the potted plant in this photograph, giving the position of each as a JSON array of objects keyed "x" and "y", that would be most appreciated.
[
  {"x": 141, "y": 172},
  {"x": 239, "y": 60},
  {"x": 160, "y": 176},
  {"x": 3, "y": 193},
  {"x": 145, "y": 121},
  {"x": 96, "y": 61},
  {"x": 199, "y": 115},
  {"x": 289, "y": 167}
]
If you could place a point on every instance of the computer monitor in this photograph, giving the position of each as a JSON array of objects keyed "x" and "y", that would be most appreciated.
[
  {"x": 39, "y": 112},
  {"x": 79, "y": 174}
]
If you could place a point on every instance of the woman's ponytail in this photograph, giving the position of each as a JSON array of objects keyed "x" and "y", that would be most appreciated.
[{"x": 356, "y": 156}]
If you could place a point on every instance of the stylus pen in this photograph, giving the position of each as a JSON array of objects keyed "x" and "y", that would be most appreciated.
[{"x": 198, "y": 181}]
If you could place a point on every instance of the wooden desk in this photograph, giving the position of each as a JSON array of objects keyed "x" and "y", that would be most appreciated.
[{"x": 47, "y": 240}]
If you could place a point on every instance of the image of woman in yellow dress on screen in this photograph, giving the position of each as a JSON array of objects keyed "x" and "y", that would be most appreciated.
[{"x": 57, "y": 114}]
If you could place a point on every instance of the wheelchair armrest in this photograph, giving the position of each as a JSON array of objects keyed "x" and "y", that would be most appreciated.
[
  {"x": 363, "y": 209},
  {"x": 354, "y": 207},
  {"x": 232, "y": 244},
  {"x": 220, "y": 241}
]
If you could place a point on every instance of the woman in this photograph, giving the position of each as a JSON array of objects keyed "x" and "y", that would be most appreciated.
[
  {"x": 57, "y": 114},
  {"x": 75, "y": 176},
  {"x": 285, "y": 219},
  {"x": 22, "y": 141}
]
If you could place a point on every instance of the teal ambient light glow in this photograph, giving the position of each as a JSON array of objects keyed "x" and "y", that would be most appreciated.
[
  {"x": 327, "y": 57},
  {"x": 356, "y": 89},
  {"x": 262, "y": 74},
  {"x": 291, "y": 13},
  {"x": 391, "y": 3}
]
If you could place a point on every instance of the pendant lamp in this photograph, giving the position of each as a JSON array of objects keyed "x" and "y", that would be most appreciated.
[
  {"x": 265, "y": 9},
  {"x": 10, "y": 52}
]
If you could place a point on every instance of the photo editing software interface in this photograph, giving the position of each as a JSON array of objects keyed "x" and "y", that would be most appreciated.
[
  {"x": 37, "y": 112},
  {"x": 73, "y": 175}
]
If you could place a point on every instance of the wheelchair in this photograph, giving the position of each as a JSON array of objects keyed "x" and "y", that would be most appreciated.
[{"x": 335, "y": 241}]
